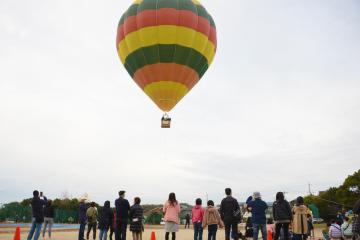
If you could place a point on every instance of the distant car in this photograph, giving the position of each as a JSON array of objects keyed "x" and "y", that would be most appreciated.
[{"x": 318, "y": 220}]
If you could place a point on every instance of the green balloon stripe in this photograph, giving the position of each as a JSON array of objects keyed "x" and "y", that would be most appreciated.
[
  {"x": 158, "y": 4},
  {"x": 166, "y": 53}
]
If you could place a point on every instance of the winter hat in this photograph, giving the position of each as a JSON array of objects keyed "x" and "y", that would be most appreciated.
[{"x": 257, "y": 195}]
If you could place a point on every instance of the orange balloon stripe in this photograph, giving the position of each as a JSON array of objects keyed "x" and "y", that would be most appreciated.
[
  {"x": 166, "y": 72},
  {"x": 167, "y": 16}
]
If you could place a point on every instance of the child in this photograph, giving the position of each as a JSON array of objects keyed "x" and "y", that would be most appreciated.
[
  {"x": 136, "y": 217},
  {"x": 197, "y": 218},
  {"x": 310, "y": 226},
  {"x": 212, "y": 219},
  {"x": 270, "y": 227}
]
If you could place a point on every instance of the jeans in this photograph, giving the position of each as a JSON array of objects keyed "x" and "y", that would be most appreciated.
[
  {"x": 187, "y": 224},
  {"x": 121, "y": 226},
  {"x": 35, "y": 228},
  {"x": 212, "y": 229},
  {"x": 93, "y": 227},
  {"x": 82, "y": 230},
  {"x": 103, "y": 234},
  {"x": 300, "y": 236},
  {"x": 50, "y": 222},
  {"x": 278, "y": 227},
  {"x": 234, "y": 229},
  {"x": 262, "y": 228},
  {"x": 198, "y": 231}
]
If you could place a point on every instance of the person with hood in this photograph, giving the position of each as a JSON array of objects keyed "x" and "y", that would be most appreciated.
[
  {"x": 49, "y": 214},
  {"x": 197, "y": 213},
  {"x": 300, "y": 226},
  {"x": 230, "y": 214},
  {"x": 105, "y": 220},
  {"x": 37, "y": 207},
  {"x": 171, "y": 211},
  {"x": 258, "y": 208},
  {"x": 282, "y": 216},
  {"x": 136, "y": 219},
  {"x": 122, "y": 216},
  {"x": 91, "y": 215},
  {"x": 212, "y": 219},
  {"x": 82, "y": 217}
]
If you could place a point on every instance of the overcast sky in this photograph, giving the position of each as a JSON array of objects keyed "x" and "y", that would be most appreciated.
[{"x": 279, "y": 107}]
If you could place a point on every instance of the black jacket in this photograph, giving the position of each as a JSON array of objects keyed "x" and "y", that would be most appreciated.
[
  {"x": 122, "y": 209},
  {"x": 106, "y": 217},
  {"x": 357, "y": 207},
  {"x": 37, "y": 207},
  {"x": 82, "y": 212},
  {"x": 282, "y": 211},
  {"x": 229, "y": 206},
  {"x": 49, "y": 211}
]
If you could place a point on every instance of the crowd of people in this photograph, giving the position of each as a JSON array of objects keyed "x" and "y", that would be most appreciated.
[{"x": 228, "y": 216}]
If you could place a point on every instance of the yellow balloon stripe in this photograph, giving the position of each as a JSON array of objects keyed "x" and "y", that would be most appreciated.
[
  {"x": 166, "y": 34},
  {"x": 166, "y": 94},
  {"x": 196, "y": 2}
]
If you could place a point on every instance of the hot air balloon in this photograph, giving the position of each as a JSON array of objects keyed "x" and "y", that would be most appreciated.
[{"x": 166, "y": 46}]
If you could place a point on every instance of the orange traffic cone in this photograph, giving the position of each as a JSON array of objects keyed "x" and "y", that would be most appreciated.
[
  {"x": 152, "y": 236},
  {"x": 17, "y": 234},
  {"x": 269, "y": 235}
]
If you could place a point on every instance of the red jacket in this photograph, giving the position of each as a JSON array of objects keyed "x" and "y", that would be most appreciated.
[{"x": 197, "y": 213}]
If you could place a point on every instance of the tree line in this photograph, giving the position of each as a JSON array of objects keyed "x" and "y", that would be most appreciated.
[{"x": 329, "y": 203}]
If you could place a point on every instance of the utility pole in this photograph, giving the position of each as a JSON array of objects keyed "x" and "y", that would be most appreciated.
[{"x": 310, "y": 189}]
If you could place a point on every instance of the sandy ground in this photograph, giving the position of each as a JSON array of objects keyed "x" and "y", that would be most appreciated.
[{"x": 183, "y": 234}]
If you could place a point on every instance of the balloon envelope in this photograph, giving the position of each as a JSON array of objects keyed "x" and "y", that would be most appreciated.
[{"x": 166, "y": 46}]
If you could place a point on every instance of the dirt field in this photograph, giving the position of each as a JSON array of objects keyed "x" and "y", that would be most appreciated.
[{"x": 183, "y": 234}]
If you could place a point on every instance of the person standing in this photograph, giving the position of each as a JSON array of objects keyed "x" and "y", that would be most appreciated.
[
  {"x": 122, "y": 206},
  {"x": 230, "y": 214},
  {"x": 197, "y": 218},
  {"x": 346, "y": 229},
  {"x": 212, "y": 219},
  {"x": 258, "y": 208},
  {"x": 171, "y": 211},
  {"x": 282, "y": 216},
  {"x": 335, "y": 230},
  {"x": 356, "y": 220},
  {"x": 91, "y": 215},
  {"x": 49, "y": 215},
  {"x": 37, "y": 206},
  {"x": 187, "y": 219},
  {"x": 82, "y": 217},
  {"x": 300, "y": 226},
  {"x": 136, "y": 218},
  {"x": 105, "y": 220},
  {"x": 113, "y": 225}
]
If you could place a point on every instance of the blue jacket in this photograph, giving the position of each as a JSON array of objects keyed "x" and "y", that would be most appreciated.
[
  {"x": 122, "y": 209},
  {"x": 82, "y": 212},
  {"x": 258, "y": 211}
]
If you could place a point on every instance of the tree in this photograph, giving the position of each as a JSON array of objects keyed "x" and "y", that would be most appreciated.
[{"x": 339, "y": 198}]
